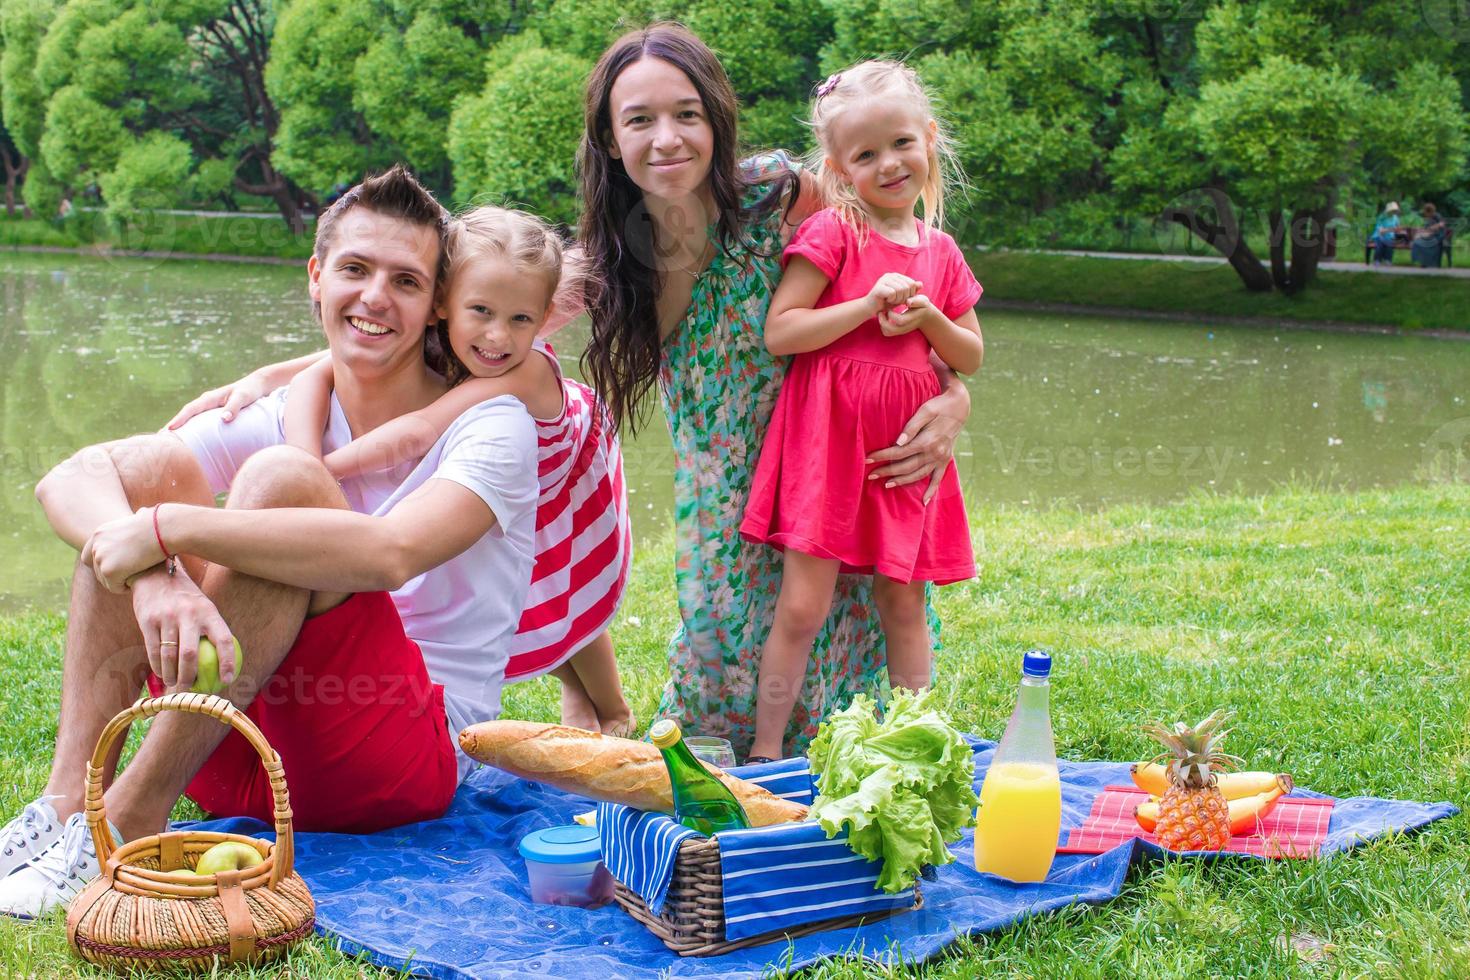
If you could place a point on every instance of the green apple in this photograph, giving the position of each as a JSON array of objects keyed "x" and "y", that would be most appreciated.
[
  {"x": 206, "y": 677},
  {"x": 230, "y": 855}
]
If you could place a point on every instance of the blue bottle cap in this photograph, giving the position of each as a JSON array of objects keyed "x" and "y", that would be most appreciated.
[
  {"x": 1036, "y": 663},
  {"x": 572, "y": 844}
]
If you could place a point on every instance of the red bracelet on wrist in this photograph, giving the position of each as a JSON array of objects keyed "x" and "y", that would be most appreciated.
[{"x": 170, "y": 560}]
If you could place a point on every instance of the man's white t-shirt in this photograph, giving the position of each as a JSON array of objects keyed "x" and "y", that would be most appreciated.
[{"x": 463, "y": 613}]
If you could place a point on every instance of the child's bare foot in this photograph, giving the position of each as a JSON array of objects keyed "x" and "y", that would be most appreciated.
[
  {"x": 577, "y": 709},
  {"x": 624, "y": 726},
  {"x": 576, "y": 719}
]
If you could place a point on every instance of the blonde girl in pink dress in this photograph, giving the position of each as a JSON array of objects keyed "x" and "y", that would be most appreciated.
[{"x": 869, "y": 290}]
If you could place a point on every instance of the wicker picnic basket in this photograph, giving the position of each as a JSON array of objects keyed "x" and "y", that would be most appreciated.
[
  {"x": 138, "y": 913},
  {"x": 693, "y": 921}
]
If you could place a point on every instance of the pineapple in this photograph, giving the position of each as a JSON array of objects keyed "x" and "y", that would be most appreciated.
[{"x": 1193, "y": 813}]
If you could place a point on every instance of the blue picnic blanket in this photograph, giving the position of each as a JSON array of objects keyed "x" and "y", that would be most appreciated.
[{"x": 448, "y": 898}]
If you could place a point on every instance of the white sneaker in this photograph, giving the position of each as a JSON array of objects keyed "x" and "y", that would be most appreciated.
[
  {"x": 29, "y": 834},
  {"x": 55, "y": 876}
]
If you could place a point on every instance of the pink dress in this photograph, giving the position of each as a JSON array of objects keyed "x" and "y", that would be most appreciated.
[{"x": 851, "y": 398}]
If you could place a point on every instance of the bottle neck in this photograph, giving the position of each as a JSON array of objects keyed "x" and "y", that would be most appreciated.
[
  {"x": 680, "y": 757},
  {"x": 1035, "y": 691},
  {"x": 1028, "y": 736}
]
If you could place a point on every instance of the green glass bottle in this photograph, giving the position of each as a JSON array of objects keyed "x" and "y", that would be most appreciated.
[{"x": 701, "y": 802}]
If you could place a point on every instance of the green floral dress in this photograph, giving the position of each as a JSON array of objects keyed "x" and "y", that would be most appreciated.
[{"x": 718, "y": 385}]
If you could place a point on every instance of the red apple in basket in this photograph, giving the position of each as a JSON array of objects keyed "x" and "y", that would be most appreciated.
[{"x": 230, "y": 855}]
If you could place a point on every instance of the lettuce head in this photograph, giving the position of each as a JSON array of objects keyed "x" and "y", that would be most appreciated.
[{"x": 903, "y": 788}]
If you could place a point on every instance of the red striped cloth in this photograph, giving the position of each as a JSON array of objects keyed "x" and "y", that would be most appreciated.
[
  {"x": 1295, "y": 827},
  {"x": 584, "y": 540}
]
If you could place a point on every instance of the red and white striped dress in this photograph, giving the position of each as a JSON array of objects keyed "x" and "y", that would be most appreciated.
[{"x": 584, "y": 541}]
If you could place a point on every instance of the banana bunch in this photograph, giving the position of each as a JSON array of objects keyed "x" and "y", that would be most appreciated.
[{"x": 1249, "y": 795}]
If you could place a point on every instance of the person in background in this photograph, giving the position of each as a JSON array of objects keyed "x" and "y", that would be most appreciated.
[
  {"x": 1428, "y": 243},
  {"x": 1385, "y": 233}
]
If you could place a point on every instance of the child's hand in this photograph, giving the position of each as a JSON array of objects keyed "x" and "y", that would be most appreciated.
[
  {"x": 892, "y": 289},
  {"x": 895, "y": 323}
]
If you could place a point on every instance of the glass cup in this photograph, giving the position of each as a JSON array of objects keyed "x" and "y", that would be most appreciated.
[{"x": 715, "y": 751}]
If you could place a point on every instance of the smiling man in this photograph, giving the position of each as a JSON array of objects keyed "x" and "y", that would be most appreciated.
[{"x": 375, "y": 615}]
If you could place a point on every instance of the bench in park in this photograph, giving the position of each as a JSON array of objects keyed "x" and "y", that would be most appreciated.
[{"x": 1402, "y": 240}]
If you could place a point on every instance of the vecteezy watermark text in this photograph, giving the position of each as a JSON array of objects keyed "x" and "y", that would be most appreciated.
[{"x": 1100, "y": 459}]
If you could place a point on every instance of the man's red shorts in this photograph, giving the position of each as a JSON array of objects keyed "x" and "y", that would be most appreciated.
[{"x": 359, "y": 727}]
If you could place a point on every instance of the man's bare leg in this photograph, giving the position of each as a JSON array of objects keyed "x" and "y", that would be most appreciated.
[
  {"x": 265, "y": 616},
  {"x": 105, "y": 662}
]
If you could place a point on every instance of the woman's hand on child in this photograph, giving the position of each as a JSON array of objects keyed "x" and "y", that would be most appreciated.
[
  {"x": 892, "y": 289},
  {"x": 896, "y": 323},
  {"x": 926, "y": 445}
]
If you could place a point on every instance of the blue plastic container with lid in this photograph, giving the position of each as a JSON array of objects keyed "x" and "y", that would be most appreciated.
[{"x": 564, "y": 867}]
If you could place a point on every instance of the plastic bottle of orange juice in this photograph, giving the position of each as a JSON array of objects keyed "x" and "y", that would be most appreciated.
[{"x": 1021, "y": 799}]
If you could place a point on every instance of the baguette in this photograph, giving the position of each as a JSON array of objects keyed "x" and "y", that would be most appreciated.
[{"x": 617, "y": 770}]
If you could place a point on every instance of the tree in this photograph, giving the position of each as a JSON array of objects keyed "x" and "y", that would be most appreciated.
[
  {"x": 517, "y": 140},
  {"x": 909, "y": 29},
  {"x": 586, "y": 27},
  {"x": 143, "y": 99},
  {"x": 148, "y": 174},
  {"x": 10, "y": 155},
  {"x": 405, "y": 85},
  {"x": 233, "y": 40},
  {"x": 22, "y": 24},
  {"x": 770, "y": 49},
  {"x": 1283, "y": 134},
  {"x": 15, "y": 162},
  {"x": 1217, "y": 115},
  {"x": 1027, "y": 109},
  {"x": 16, "y": 165},
  {"x": 322, "y": 139},
  {"x": 1283, "y": 112},
  {"x": 362, "y": 83}
]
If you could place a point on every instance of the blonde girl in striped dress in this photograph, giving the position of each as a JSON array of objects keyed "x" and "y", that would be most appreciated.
[{"x": 504, "y": 276}]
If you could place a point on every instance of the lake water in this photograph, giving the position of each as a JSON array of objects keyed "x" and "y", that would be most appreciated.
[{"x": 1090, "y": 411}]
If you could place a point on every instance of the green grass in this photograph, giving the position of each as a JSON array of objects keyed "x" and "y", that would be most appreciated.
[
  {"x": 1334, "y": 625},
  {"x": 1405, "y": 302},
  {"x": 190, "y": 235}
]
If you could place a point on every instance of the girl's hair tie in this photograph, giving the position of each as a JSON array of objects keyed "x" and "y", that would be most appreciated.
[{"x": 826, "y": 87}]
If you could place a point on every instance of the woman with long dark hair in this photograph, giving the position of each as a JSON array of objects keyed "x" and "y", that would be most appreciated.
[{"x": 686, "y": 241}]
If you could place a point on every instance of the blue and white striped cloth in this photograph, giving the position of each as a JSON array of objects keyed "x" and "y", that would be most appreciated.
[
  {"x": 639, "y": 849},
  {"x": 777, "y": 877}
]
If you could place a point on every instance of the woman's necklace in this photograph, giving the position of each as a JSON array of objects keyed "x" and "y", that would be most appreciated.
[
  {"x": 701, "y": 260},
  {"x": 694, "y": 269},
  {"x": 682, "y": 222}
]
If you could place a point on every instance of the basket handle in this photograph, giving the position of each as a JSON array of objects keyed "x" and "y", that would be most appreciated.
[{"x": 214, "y": 707}]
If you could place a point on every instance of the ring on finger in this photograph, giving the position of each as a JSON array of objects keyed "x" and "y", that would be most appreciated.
[{"x": 168, "y": 643}]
